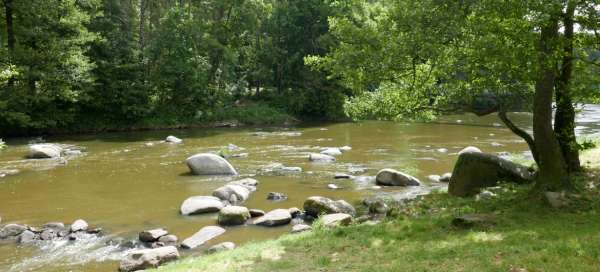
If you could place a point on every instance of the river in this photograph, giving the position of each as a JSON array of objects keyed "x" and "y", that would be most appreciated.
[{"x": 128, "y": 182}]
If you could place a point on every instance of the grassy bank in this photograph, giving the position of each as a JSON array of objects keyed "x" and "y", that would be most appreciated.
[{"x": 526, "y": 235}]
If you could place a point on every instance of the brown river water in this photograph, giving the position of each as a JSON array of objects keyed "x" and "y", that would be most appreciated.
[{"x": 125, "y": 185}]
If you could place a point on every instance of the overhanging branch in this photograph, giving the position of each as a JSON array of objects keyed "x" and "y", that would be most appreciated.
[{"x": 520, "y": 132}]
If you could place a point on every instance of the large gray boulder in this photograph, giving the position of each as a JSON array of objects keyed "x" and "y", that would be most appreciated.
[
  {"x": 11, "y": 230},
  {"x": 148, "y": 258},
  {"x": 273, "y": 218},
  {"x": 474, "y": 171},
  {"x": 202, "y": 236},
  {"x": 391, "y": 177},
  {"x": 233, "y": 215},
  {"x": 209, "y": 164},
  {"x": 336, "y": 219},
  {"x": 317, "y": 205},
  {"x": 45, "y": 151},
  {"x": 201, "y": 204}
]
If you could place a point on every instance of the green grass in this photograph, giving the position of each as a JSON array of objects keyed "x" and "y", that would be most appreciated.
[{"x": 527, "y": 235}]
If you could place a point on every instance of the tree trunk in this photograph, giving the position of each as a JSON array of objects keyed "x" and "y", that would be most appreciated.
[
  {"x": 564, "y": 120},
  {"x": 552, "y": 175}
]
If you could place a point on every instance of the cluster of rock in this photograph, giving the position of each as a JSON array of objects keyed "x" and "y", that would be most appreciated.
[{"x": 53, "y": 231}]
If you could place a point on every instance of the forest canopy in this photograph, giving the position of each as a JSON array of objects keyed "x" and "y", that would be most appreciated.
[{"x": 99, "y": 64}]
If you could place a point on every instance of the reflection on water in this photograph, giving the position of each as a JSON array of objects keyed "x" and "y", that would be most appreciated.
[{"x": 127, "y": 182}]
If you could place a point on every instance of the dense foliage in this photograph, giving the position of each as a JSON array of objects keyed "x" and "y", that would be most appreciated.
[{"x": 94, "y": 64}]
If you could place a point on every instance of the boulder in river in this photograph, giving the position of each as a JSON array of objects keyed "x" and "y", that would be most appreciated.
[
  {"x": 336, "y": 219},
  {"x": 317, "y": 205},
  {"x": 232, "y": 193},
  {"x": 172, "y": 139},
  {"x": 202, "y": 236},
  {"x": 469, "y": 149},
  {"x": 332, "y": 151},
  {"x": 391, "y": 177},
  {"x": 168, "y": 240},
  {"x": 446, "y": 177},
  {"x": 209, "y": 164},
  {"x": 233, "y": 215},
  {"x": 201, "y": 204},
  {"x": 45, "y": 151},
  {"x": 434, "y": 178},
  {"x": 474, "y": 171},
  {"x": 79, "y": 225},
  {"x": 153, "y": 235},
  {"x": 11, "y": 230},
  {"x": 273, "y": 218},
  {"x": 148, "y": 258},
  {"x": 249, "y": 183},
  {"x": 26, "y": 237},
  {"x": 345, "y": 148},
  {"x": 316, "y": 157},
  {"x": 275, "y": 196},
  {"x": 221, "y": 247}
]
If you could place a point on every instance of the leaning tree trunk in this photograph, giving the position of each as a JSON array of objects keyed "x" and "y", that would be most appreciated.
[
  {"x": 552, "y": 175},
  {"x": 564, "y": 120}
]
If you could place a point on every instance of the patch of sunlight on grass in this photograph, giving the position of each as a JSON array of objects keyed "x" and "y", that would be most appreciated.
[
  {"x": 272, "y": 254},
  {"x": 375, "y": 243},
  {"x": 483, "y": 236}
]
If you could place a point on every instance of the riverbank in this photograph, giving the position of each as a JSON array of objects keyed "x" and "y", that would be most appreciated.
[{"x": 524, "y": 234}]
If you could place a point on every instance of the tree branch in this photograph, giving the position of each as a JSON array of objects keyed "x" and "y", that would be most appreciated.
[{"x": 521, "y": 133}]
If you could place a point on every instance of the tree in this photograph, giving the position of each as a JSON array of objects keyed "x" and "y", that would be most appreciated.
[{"x": 509, "y": 51}]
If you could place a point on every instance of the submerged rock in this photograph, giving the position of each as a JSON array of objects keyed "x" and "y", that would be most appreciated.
[
  {"x": 301, "y": 228},
  {"x": 317, "y": 205},
  {"x": 280, "y": 169},
  {"x": 148, "y": 258},
  {"x": 474, "y": 171},
  {"x": 150, "y": 236},
  {"x": 202, "y": 236},
  {"x": 342, "y": 176},
  {"x": 26, "y": 237},
  {"x": 11, "y": 230},
  {"x": 345, "y": 148},
  {"x": 275, "y": 196},
  {"x": 434, "y": 178},
  {"x": 336, "y": 219},
  {"x": 391, "y": 177},
  {"x": 174, "y": 140},
  {"x": 232, "y": 193},
  {"x": 233, "y": 215},
  {"x": 274, "y": 218},
  {"x": 332, "y": 151},
  {"x": 315, "y": 157},
  {"x": 201, "y": 204},
  {"x": 209, "y": 164},
  {"x": 8, "y": 172},
  {"x": 221, "y": 247},
  {"x": 79, "y": 225},
  {"x": 332, "y": 186},
  {"x": 45, "y": 151},
  {"x": 446, "y": 177}
]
